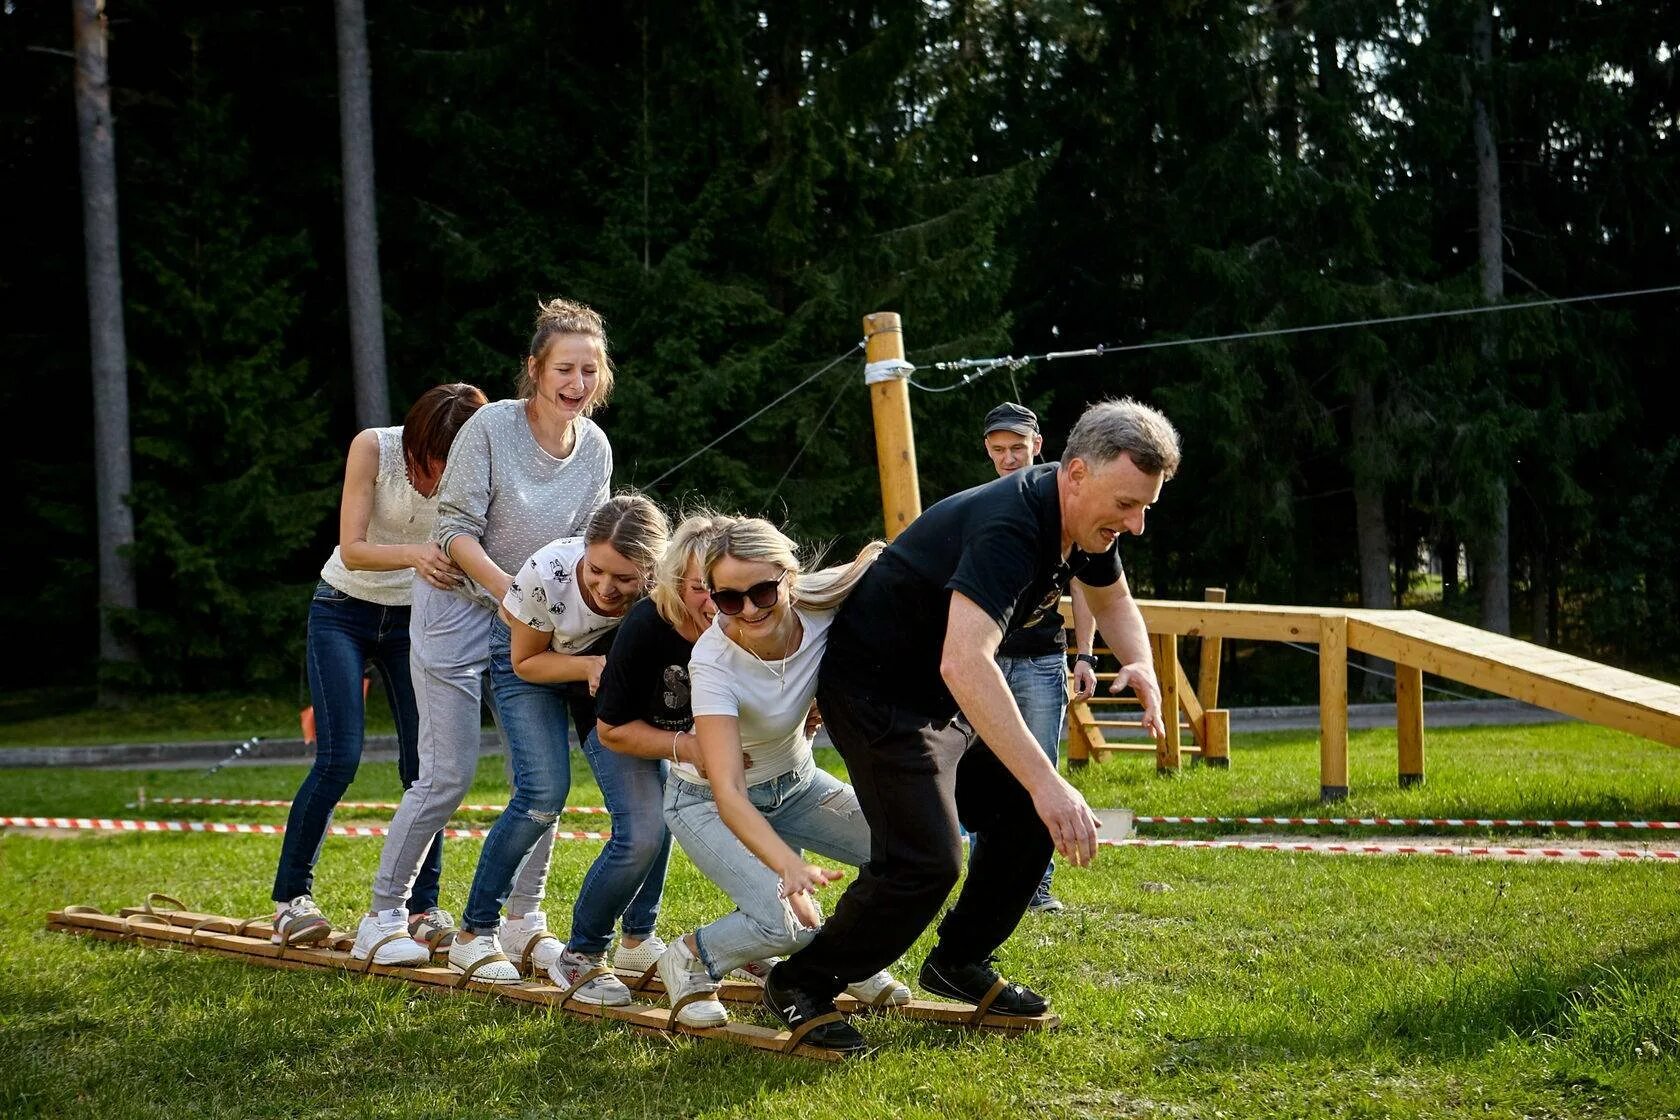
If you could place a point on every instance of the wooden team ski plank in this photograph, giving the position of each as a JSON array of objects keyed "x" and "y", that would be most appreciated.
[
  {"x": 152, "y": 927},
  {"x": 738, "y": 992}
]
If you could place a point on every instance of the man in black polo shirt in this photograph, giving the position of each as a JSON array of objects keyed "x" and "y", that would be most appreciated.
[
  {"x": 915, "y": 643},
  {"x": 1034, "y": 657}
]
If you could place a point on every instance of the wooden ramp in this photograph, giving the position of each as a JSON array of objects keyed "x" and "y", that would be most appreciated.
[{"x": 1415, "y": 642}]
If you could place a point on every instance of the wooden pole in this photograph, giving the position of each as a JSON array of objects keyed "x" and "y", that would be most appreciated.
[
  {"x": 1207, "y": 673},
  {"x": 1408, "y": 711},
  {"x": 889, "y": 398},
  {"x": 1332, "y": 709},
  {"x": 1168, "y": 752}
]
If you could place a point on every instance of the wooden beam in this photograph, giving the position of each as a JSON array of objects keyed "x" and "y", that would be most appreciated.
[
  {"x": 1213, "y": 646},
  {"x": 1408, "y": 720},
  {"x": 1232, "y": 620},
  {"x": 1332, "y": 709},
  {"x": 1216, "y": 748},
  {"x": 1165, "y": 649}
]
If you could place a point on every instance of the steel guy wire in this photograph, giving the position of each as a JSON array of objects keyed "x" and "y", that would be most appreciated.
[
  {"x": 983, "y": 366},
  {"x": 755, "y": 416}
]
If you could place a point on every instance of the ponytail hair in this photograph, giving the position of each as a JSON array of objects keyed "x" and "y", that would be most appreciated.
[{"x": 754, "y": 539}]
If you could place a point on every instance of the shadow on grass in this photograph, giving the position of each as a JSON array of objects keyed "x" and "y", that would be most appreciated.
[{"x": 1603, "y": 1009}]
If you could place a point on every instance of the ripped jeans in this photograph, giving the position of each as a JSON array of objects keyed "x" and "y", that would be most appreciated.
[
  {"x": 809, "y": 809},
  {"x": 533, "y": 718}
]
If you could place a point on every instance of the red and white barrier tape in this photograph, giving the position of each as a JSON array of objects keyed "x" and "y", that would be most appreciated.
[
  {"x": 390, "y": 805},
  {"x": 1484, "y": 851},
  {"x": 1418, "y": 822},
  {"x": 106, "y": 824},
  {"x": 1323, "y": 847}
]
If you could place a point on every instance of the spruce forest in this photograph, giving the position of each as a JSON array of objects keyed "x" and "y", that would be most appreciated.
[{"x": 735, "y": 185}]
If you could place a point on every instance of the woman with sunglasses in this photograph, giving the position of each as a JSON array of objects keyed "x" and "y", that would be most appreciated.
[
  {"x": 562, "y": 609},
  {"x": 760, "y": 800}
]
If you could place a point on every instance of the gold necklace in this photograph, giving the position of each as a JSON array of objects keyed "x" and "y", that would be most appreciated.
[{"x": 781, "y": 674}]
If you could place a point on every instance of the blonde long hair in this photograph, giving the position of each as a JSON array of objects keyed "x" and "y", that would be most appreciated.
[
  {"x": 688, "y": 542},
  {"x": 755, "y": 539}
]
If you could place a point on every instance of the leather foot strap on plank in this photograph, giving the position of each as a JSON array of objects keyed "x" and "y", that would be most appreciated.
[
  {"x": 160, "y": 897},
  {"x": 472, "y": 969},
  {"x": 568, "y": 1003},
  {"x": 796, "y": 1037},
  {"x": 985, "y": 1004},
  {"x": 373, "y": 953},
  {"x": 527, "y": 964},
  {"x": 691, "y": 997},
  {"x": 645, "y": 982}
]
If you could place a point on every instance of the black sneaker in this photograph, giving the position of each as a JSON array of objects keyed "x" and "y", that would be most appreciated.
[
  {"x": 796, "y": 1008},
  {"x": 971, "y": 982}
]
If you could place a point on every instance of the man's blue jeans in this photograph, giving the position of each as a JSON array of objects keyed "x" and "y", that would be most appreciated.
[
  {"x": 345, "y": 635},
  {"x": 1039, "y": 685},
  {"x": 628, "y": 877}
]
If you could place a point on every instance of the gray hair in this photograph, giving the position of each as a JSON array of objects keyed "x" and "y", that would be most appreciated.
[{"x": 1112, "y": 428}]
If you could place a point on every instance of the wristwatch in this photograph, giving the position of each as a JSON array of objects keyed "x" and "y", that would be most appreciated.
[{"x": 1089, "y": 659}]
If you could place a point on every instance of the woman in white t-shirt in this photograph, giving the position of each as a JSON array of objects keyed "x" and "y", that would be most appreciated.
[
  {"x": 561, "y": 608},
  {"x": 761, "y": 800}
]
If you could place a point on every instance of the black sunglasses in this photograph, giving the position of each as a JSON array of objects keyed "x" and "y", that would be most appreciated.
[{"x": 763, "y": 595}]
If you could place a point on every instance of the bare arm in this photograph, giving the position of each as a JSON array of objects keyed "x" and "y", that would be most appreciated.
[
  {"x": 1124, "y": 630},
  {"x": 969, "y": 668},
  {"x": 1084, "y": 633},
  {"x": 469, "y": 555},
  {"x": 641, "y": 739},
  {"x": 720, "y": 743},
  {"x": 536, "y": 661},
  {"x": 361, "y": 470}
]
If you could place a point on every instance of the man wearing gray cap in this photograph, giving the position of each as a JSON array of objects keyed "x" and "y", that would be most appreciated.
[{"x": 1034, "y": 659}]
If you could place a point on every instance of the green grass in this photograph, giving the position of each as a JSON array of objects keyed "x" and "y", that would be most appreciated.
[
  {"x": 69, "y": 717},
  {"x": 1260, "y": 985}
]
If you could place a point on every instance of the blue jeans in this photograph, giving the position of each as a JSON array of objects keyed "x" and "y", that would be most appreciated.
[
  {"x": 1039, "y": 685},
  {"x": 628, "y": 877},
  {"x": 533, "y": 719},
  {"x": 809, "y": 809},
  {"x": 345, "y": 635}
]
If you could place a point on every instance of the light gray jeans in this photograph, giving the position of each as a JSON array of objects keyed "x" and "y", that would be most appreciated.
[
  {"x": 449, "y": 661},
  {"x": 809, "y": 809}
]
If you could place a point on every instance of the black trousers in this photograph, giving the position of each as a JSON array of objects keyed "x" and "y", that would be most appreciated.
[{"x": 915, "y": 777}]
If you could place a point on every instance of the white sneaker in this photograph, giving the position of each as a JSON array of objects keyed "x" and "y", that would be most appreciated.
[
  {"x": 603, "y": 991},
  {"x": 754, "y": 972},
  {"x": 300, "y": 922},
  {"x": 464, "y": 954},
  {"x": 684, "y": 974},
  {"x": 880, "y": 990},
  {"x": 518, "y": 934},
  {"x": 641, "y": 958},
  {"x": 435, "y": 929},
  {"x": 390, "y": 927}
]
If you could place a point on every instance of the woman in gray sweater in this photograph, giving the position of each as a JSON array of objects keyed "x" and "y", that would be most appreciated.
[{"x": 521, "y": 473}]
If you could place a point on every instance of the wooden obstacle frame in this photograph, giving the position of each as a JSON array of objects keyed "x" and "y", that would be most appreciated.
[
  {"x": 1415, "y": 642},
  {"x": 163, "y": 921}
]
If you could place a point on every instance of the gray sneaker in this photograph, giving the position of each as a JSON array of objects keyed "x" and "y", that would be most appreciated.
[
  {"x": 1043, "y": 902},
  {"x": 605, "y": 990}
]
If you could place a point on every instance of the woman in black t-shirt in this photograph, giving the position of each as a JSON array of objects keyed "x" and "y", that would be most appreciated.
[{"x": 643, "y": 724}]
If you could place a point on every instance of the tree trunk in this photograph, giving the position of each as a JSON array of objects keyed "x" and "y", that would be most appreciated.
[
  {"x": 361, "y": 224},
  {"x": 113, "y": 477},
  {"x": 1376, "y": 588},
  {"x": 1493, "y": 567},
  {"x": 1539, "y": 597}
]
